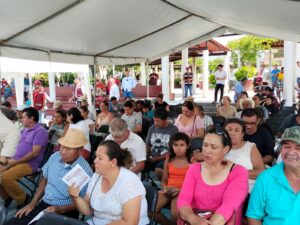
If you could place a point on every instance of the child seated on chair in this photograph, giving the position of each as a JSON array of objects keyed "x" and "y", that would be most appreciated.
[{"x": 175, "y": 168}]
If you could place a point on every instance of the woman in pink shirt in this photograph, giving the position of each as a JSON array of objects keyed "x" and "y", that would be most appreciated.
[
  {"x": 189, "y": 123},
  {"x": 216, "y": 186}
]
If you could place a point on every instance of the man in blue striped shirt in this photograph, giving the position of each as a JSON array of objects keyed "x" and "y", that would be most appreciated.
[{"x": 52, "y": 190}]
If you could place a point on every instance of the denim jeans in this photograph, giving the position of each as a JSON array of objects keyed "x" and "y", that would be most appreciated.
[
  {"x": 188, "y": 88},
  {"x": 127, "y": 94}
]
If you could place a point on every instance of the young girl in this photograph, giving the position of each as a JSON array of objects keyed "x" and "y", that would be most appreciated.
[
  {"x": 175, "y": 168},
  {"x": 58, "y": 126}
]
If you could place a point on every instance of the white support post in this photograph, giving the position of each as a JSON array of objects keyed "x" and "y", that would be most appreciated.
[
  {"x": 51, "y": 81},
  {"x": 185, "y": 63},
  {"x": 258, "y": 61},
  {"x": 147, "y": 70},
  {"x": 205, "y": 73},
  {"x": 19, "y": 85},
  {"x": 270, "y": 64},
  {"x": 172, "y": 76},
  {"x": 143, "y": 74},
  {"x": 87, "y": 83},
  {"x": 239, "y": 63},
  {"x": 195, "y": 77},
  {"x": 289, "y": 70},
  {"x": 227, "y": 70},
  {"x": 30, "y": 89},
  {"x": 132, "y": 73},
  {"x": 113, "y": 70},
  {"x": 297, "y": 55},
  {"x": 165, "y": 78}
]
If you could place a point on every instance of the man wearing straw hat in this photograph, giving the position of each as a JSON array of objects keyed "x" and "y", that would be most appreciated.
[{"x": 52, "y": 190}]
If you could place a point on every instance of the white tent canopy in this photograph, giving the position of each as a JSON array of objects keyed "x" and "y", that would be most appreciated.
[{"x": 133, "y": 31}]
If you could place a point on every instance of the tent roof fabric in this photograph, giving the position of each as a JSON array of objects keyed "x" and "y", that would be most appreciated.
[{"x": 133, "y": 31}]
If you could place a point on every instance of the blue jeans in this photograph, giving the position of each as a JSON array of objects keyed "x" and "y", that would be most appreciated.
[
  {"x": 127, "y": 94},
  {"x": 188, "y": 88}
]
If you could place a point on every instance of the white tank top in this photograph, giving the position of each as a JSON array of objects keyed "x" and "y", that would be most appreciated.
[{"x": 241, "y": 156}]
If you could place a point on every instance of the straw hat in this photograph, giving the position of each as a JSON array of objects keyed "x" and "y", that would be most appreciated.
[
  {"x": 83, "y": 98},
  {"x": 251, "y": 102},
  {"x": 73, "y": 139},
  {"x": 57, "y": 104}
]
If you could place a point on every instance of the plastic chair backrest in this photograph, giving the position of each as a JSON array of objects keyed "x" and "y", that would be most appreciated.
[{"x": 151, "y": 197}]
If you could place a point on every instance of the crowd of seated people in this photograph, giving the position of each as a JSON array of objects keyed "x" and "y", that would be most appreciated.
[{"x": 207, "y": 174}]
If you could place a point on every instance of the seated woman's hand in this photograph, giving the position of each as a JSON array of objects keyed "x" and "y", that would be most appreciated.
[
  {"x": 197, "y": 220},
  {"x": 74, "y": 191}
]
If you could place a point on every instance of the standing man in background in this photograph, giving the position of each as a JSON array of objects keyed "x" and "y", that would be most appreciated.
[
  {"x": 153, "y": 77},
  {"x": 79, "y": 90},
  {"x": 39, "y": 99},
  {"x": 274, "y": 74},
  {"x": 220, "y": 76},
  {"x": 188, "y": 82},
  {"x": 128, "y": 83}
]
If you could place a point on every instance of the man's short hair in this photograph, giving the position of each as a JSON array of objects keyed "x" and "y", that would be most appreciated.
[
  {"x": 118, "y": 127},
  {"x": 128, "y": 104},
  {"x": 220, "y": 65},
  {"x": 161, "y": 113},
  {"x": 249, "y": 113},
  {"x": 147, "y": 105},
  {"x": 31, "y": 113},
  {"x": 113, "y": 98},
  {"x": 160, "y": 95},
  {"x": 7, "y": 104}
]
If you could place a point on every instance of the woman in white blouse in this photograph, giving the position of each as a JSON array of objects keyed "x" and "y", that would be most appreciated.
[
  {"x": 243, "y": 152},
  {"x": 115, "y": 195}
]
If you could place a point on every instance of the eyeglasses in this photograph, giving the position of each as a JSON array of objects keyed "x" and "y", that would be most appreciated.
[{"x": 221, "y": 132}]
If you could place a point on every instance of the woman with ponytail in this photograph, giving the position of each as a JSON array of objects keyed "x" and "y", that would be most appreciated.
[{"x": 115, "y": 195}]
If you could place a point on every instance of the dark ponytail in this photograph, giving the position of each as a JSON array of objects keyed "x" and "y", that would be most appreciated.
[{"x": 114, "y": 151}]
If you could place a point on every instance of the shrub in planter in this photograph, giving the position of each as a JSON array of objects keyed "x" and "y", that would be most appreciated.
[
  {"x": 212, "y": 79},
  {"x": 177, "y": 82},
  {"x": 245, "y": 71}
]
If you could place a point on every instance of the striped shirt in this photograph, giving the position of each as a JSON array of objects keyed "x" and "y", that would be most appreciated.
[{"x": 56, "y": 191}]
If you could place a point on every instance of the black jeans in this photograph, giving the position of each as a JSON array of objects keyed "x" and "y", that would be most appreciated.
[
  {"x": 217, "y": 88},
  {"x": 24, "y": 220}
]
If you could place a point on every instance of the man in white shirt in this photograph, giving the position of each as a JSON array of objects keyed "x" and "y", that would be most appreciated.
[
  {"x": 9, "y": 138},
  {"x": 120, "y": 133},
  {"x": 128, "y": 83},
  {"x": 114, "y": 89},
  {"x": 220, "y": 76}
]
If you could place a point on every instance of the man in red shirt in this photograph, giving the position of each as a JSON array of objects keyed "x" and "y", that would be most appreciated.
[{"x": 39, "y": 99}]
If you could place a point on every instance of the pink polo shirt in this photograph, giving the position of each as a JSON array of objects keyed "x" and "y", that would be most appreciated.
[{"x": 223, "y": 198}]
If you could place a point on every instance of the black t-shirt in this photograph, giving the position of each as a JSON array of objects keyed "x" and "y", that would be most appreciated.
[
  {"x": 263, "y": 140},
  {"x": 163, "y": 105}
]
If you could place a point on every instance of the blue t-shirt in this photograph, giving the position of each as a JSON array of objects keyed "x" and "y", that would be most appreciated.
[
  {"x": 273, "y": 200},
  {"x": 274, "y": 74}
]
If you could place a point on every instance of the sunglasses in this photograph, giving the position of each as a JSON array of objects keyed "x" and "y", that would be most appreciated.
[{"x": 221, "y": 132}]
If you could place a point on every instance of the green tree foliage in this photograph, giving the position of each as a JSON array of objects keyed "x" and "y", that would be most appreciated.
[
  {"x": 245, "y": 71},
  {"x": 249, "y": 47},
  {"x": 43, "y": 77},
  {"x": 67, "y": 78}
]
